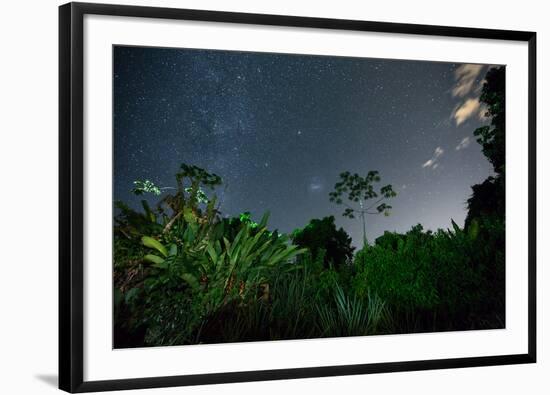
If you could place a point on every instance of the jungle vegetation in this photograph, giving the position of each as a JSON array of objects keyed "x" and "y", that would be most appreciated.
[{"x": 185, "y": 274}]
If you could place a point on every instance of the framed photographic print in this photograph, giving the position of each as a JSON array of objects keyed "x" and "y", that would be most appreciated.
[{"x": 257, "y": 197}]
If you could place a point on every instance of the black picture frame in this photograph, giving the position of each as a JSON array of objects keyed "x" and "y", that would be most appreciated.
[{"x": 71, "y": 223}]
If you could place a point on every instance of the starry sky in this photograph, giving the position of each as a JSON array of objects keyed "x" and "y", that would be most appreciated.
[{"x": 280, "y": 128}]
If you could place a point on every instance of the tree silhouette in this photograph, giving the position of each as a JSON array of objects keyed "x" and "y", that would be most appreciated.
[
  {"x": 488, "y": 198},
  {"x": 492, "y": 137},
  {"x": 358, "y": 191},
  {"x": 322, "y": 234}
]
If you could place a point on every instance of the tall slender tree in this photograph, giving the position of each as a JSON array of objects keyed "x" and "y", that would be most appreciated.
[{"x": 358, "y": 195}]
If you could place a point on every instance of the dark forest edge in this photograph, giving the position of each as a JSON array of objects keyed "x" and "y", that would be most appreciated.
[{"x": 184, "y": 274}]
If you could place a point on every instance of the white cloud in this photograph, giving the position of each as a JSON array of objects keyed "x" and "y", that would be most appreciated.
[
  {"x": 466, "y": 76},
  {"x": 466, "y": 110},
  {"x": 464, "y": 143},
  {"x": 432, "y": 163},
  {"x": 428, "y": 163}
]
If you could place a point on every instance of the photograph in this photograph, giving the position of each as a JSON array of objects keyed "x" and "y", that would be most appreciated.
[{"x": 263, "y": 196}]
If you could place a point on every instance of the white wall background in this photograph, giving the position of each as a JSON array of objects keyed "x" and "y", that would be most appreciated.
[{"x": 28, "y": 195}]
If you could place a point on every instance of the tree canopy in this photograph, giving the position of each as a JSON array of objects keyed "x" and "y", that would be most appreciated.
[
  {"x": 488, "y": 198},
  {"x": 492, "y": 137},
  {"x": 354, "y": 191},
  {"x": 322, "y": 235}
]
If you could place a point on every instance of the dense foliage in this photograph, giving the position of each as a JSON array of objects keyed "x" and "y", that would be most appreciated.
[
  {"x": 208, "y": 279},
  {"x": 447, "y": 280},
  {"x": 321, "y": 237},
  {"x": 492, "y": 137},
  {"x": 488, "y": 198}
]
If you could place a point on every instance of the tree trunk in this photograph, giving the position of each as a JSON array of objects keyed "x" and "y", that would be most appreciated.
[
  {"x": 363, "y": 221},
  {"x": 364, "y": 229}
]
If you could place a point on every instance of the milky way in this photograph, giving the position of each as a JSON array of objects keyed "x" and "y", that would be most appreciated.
[{"x": 279, "y": 128}]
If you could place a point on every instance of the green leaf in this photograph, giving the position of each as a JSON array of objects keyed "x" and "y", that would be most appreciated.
[
  {"x": 263, "y": 221},
  {"x": 153, "y": 259},
  {"x": 190, "y": 279},
  {"x": 456, "y": 227},
  {"x": 189, "y": 215},
  {"x": 212, "y": 252},
  {"x": 155, "y": 244},
  {"x": 162, "y": 265}
]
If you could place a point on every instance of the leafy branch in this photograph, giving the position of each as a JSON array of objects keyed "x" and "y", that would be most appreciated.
[{"x": 358, "y": 190}]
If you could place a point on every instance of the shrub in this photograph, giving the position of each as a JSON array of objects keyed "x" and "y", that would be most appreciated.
[
  {"x": 438, "y": 281},
  {"x": 200, "y": 273}
]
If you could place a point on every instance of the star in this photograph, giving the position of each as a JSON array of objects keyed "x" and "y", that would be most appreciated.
[{"x": 279, "y": 129}]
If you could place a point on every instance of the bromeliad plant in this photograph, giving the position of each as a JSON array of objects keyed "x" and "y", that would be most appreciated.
[{"x": 207, "y": 259}]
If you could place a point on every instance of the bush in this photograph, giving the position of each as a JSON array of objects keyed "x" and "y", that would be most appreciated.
[
  {"x": 438, "y": 281},
  {"x": 201, "y": 272}
]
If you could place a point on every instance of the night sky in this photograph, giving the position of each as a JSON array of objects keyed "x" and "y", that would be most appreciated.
[{"x": 279, "y": 128}]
